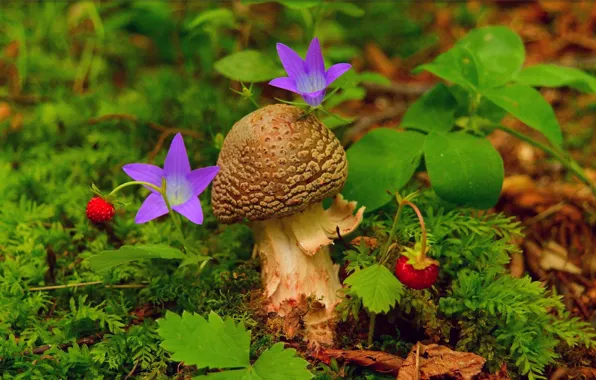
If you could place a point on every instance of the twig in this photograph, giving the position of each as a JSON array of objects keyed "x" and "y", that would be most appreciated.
[
  {"x": 132, "y": 371},
  {"x": 54, "y": 287},
  {"x": 87, "y": 340},
  {"x": 24, "y": 99},
  {"x": 572, "y": 294},
  {"x": 366, "y": 122}
]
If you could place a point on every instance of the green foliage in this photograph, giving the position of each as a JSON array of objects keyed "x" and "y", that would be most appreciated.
[
  {"x": 249, "y": 66},
  {"x": 106, "y": 260},
  {"x": 485, "y": 69},
  {"x": 434, "y": 111},
  {"x": 516, "y": 313},
  {"x": 218, "y": 343},
  {"x": 378, "y": 288},
  {"x": 377, "y": 169},
  {"x": 549, "y": 75},
  {"x": 464, "y": 169}
]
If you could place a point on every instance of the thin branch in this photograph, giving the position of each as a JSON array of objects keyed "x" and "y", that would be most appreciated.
[
  {"x": 365, "y": 123},
  {"x": 82, "y": 284}
]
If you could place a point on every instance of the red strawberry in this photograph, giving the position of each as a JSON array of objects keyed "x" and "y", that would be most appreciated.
[
  {"x": 416, "y": 278},
  {"x": 99, "y": 210}
]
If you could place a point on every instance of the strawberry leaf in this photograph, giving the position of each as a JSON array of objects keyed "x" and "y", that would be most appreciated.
[{"x": 377, "y": 287}]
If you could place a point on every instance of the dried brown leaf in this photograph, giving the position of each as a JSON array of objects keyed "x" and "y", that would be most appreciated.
[
  {"x": 375, "y": 360},
  {"x": 424, "y": 362}
]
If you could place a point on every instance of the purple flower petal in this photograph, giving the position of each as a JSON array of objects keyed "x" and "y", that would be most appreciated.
[
  {"x": 176, "y": 164},
  {"x": 314, "y": 59},
  {"x": 178, "y": 190},
  {"x": 291, "y": 61},
  {"x": 284, "y": 82},
  {"x": 145, "y": 173},
  {"x": 336, "y": 71},
  {"x": 199, "y": 179},
  {"x": 314, "y": 98},
  {"x": 153, "y": 207},
  {"x": 191, "y": 210}
]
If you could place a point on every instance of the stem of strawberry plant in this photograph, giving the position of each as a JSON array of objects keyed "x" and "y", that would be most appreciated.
[
  {"x": 371, "y": 328},
  {"x": 422, "y": 229},
  {"x": 385, "y": 249},
  {"x": 568, "y": 163}
]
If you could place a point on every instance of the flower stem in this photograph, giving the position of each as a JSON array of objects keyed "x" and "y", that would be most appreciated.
[
  {"x": 131, "y": 183},
  {"x": 174, "y": 217},
  {"x": 567, "y": 162}
]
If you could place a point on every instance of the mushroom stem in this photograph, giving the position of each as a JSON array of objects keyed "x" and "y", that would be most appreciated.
[{"x": 297, "y": 267}]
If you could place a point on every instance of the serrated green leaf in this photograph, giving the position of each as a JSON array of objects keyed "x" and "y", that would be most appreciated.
[
  {"x": 274, "y": 363},
  {"x": 248, "y": 66},
  {"x": 383, "y": 160},
  {"x": 526, "y": 104},
  {"x": 549, "y": 75},
  {"x": 433, "y": 111},
  {"x": 464, "y": 169},
  {"x": 500, "y": 52},
  {"x": 215, "y": 343},
  {"x": 378, "y": 288},
  {"x": 107, "y": 260},
  {"x": 279, "y": 363}
]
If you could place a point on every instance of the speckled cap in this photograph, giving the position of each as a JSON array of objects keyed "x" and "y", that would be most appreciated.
[{"x": 274, "y": 163}]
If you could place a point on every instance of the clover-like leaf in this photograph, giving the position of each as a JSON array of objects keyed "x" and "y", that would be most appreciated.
[
  {"x": 526, "y": 103},
  {"x": 464, "y": 169},
  {"x": 549, "y": 75},
  {"x": 383, "y": 160}
]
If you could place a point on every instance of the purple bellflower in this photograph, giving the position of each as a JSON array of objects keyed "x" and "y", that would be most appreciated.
[
  {"x": 183, "y": 186},
  {"x": 308, "y": 77}
]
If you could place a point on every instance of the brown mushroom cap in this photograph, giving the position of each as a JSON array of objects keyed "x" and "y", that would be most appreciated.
[{"x": 274, "y": 163}]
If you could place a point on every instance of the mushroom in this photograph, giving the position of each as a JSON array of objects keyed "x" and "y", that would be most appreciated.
[{"x": 276, "y": 167}]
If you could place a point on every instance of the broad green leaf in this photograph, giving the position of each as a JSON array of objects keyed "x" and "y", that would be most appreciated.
[
  {"x": 378, "y": 288},
  {"x": 279, "y": 363},
  {"x": 526, "y": 104},
  {"x": 557, "y": 76},
  {"x": 193, "y": 260},
  {"x": 433, "y": 111},
  {"x": 217, "y": 17},
  {"x": 248, "y": 66},
  {"x": 464, "y": 169},
  {"x": 486, "y": 109},
  {"x": 383, "y": 160},
  {"x": 500, "y": 52},
  {"x": 215, "y": 343},
  {"x": 458, "y": 65},
  {"x": 107, "y": 260}
]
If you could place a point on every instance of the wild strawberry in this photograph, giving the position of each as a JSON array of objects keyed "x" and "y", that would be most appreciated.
[
  {"x": 421, "y": 278},
  {"x": 99, "y": 210}
]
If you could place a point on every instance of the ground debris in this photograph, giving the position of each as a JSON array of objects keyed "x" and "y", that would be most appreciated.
[
  {"x": 429, "y": 361},
  {"x": 378, "y": 361}
]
